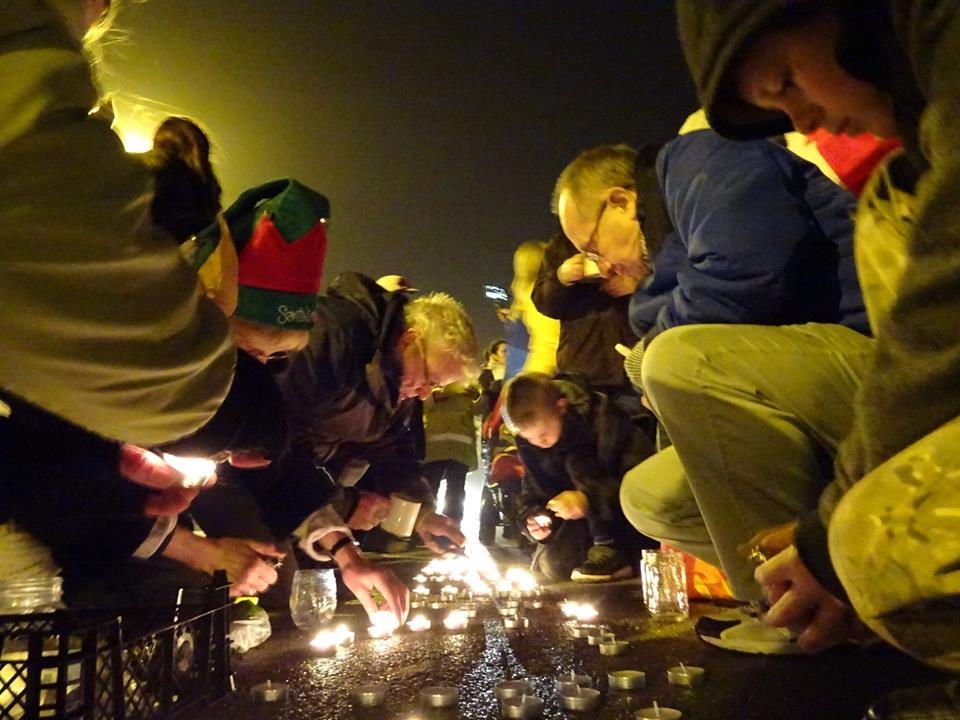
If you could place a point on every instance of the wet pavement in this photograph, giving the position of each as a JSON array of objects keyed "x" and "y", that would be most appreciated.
[{"x": 837, "y": 685}]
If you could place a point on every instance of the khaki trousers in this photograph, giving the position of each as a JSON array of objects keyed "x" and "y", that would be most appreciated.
[{"x": 755, "y": 414}]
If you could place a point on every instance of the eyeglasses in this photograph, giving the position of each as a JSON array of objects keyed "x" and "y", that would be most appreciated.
[{"x": 591, "y": 249}]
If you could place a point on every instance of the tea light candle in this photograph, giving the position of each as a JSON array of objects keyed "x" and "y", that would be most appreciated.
[
  {"x": 420, "y": 579},
  {"x": 449, "y": 592},
  {"x": 659, "y": 713},
  {"x": 507, "y": 611},
  {"x": 439, "y": 695},
  {"x": 421, "y": 590},
  {"x": 470, "y": 609},
  {"x": 685, "y": 675},
  {"x": 583, "y": 699},
  {"x": 586, "y": 613},
  {"x": 613, "y": 647},
  {"x": 512, "y": 688},
  {"x": 597, "y": 635},
  {"x": 516, "y": 622},
  {"x": 526, "y": 707},
  {"x": 583, "y": 631},
  {"x": 574, "y": 679},
  {"x": 326, "y": 642},
  {"x": 626, "y": 679},
  {"x": 384, "y": 623},
  {"x": 269, "y": 692},
  {"x": 194, "y": 472},
  {"x": 503, "y": 588},
  {"x": 369, "y": 695},
  {"x": 456, "y": 621},
  {"x": 419, "y": 623}
]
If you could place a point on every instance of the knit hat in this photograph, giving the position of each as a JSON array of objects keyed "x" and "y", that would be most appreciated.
[{"x": 278, "y": 230}]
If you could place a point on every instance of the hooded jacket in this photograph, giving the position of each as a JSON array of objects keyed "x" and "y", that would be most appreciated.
[
  {"x": 911, "y": 50},
  {"x": 101, "y": 323},
  {"x": 342, "y": 391}
]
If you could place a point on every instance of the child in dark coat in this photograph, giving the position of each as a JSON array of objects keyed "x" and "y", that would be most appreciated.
[{"x": 575, "y": 445}]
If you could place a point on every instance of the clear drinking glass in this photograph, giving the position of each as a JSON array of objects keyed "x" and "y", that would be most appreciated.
[
  {"x": 313, "y": 599},
  {"x": 665, "y": 584}
]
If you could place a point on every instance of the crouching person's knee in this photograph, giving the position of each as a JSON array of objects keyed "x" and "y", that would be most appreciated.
[
  {"x": 670, "y": 362},
  {"x": 894, "y": 545}
]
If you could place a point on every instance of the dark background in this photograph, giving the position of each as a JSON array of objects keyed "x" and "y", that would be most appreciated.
[{"x": 436, "y": 127}]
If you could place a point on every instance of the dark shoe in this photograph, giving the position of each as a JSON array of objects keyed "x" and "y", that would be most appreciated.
[
  {"x": 930, "y": 702},
  {"x": 604, "y": 563}
]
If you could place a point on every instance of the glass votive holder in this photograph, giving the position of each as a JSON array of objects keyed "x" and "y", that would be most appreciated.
[{"x": 664, "y": 581}]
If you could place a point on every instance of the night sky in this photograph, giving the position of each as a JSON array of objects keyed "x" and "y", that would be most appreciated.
[{"x": 436, "y": 127}]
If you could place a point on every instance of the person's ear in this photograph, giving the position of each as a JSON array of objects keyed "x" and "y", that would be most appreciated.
[
  {"x": 561, "y": 406},
  {"x": 622, "y": 199}
]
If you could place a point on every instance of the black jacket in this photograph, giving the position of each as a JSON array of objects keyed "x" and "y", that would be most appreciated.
[
  {"x": 598, "y": 444},
  {"x": 591, "y": 322},
  {"x": 342, "y": 398}
]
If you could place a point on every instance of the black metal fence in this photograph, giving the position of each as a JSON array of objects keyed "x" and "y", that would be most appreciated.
[{"x": 134, "y": 667}]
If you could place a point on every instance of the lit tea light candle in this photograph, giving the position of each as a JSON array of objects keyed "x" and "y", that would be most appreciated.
[
  {"x": 269, "y": 692},
  {"x": 439, "y": 696},
  {"x": 685, "y": 675},
  {"x": 524, "y": 707},
  {"x": 569, "y": 608},
  {"x": 326, "y": 642},
  {"x": 384, "y": 623},
  {"x": 419, "y": 623},
  {"x": 583, "y": 631},
  {"x": 600, "y": 637},
  {"x": 456, "y": 621},
  {"x": 421, "y": 590},
  {"x": 504, "y": 587},
  {"x": 449, "y": 592},
  {"x": 370, "y": 695},
  {"x": 420, "y": 579},
  {"x": 194, "y": 472},
  {"x": 586, "y": 613},
  {"x": 659, "y": 713}
]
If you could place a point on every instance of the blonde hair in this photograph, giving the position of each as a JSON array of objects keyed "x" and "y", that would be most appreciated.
[
  {"x": 592, "y": 172},
  {"x": 526, "y": 265},
  {"x": 442, "y": 322},
  {"x": 528, "y": 398}
]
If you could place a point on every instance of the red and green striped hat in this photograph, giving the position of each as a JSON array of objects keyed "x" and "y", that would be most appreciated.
[{"x": 278, "y": 230}]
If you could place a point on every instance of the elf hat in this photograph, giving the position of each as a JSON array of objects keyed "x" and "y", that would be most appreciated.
[{"x": 278, "y": 230}]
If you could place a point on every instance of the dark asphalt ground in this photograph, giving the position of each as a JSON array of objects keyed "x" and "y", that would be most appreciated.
[{"x": 837, "y": 685}]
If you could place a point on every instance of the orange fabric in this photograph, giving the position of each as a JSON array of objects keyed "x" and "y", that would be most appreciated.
[{"x": 704, "y": 581}]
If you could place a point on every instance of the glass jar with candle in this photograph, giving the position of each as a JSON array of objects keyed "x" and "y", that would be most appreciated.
[{"x": 313, "y": 598}]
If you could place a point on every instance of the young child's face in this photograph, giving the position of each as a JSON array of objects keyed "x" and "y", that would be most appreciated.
[
  {"x": 796, "y": 72},
  {"x": 546, "y": 429}
]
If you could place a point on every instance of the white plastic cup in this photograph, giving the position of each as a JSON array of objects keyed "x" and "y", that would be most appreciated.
[{"x": 401, "y": 516}]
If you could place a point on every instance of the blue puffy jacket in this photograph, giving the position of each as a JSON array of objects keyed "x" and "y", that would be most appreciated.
[{"x": 760, "y": 236}]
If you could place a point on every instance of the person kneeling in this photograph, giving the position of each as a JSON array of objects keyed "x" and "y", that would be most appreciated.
[{"x": 575, "y": 446}]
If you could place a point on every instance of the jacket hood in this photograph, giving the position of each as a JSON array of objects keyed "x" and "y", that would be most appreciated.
[{"x": 714, "y": 34}]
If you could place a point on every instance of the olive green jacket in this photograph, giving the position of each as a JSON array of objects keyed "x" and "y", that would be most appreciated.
[
  {"x": 911, "y": 50},
  {"x": 100, "y": 320}
]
